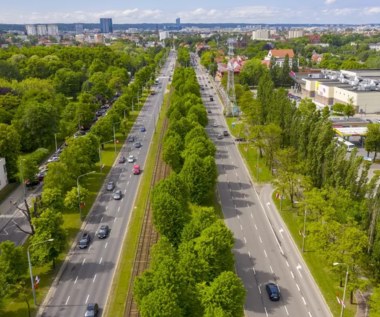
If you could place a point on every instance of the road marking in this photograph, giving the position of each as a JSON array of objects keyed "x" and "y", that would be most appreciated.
[
  {"x": 105, "y": 246},
  {"x": 88, "y": 296},
  {"x": 287, "y": 313},
  {"x": 310, "y": 314},
  {"x": 298, "y": 287},
  {"x": 127, "y": 183},
  {"x": 256, "y": 227},
  {"x": 253, "y": 269},
  {"x": 281, "y": 231},
  {"x": 260, "y": 239},
  {"x": 287, "y": 263},
  {"x": 241, "y": 227},
  {"x": 84, "y": 260},
  {"x": 266, "y": 313},
  {"x": 101, "y": 259},
  {"x": 118, "y": 209},
  {"x": 258, "y": 286},
  {"x": 238, "y": 216},
  {"x": 252, "y": 218},
  {"x": 245, "y": 240},
  {"x": 101, "y": 219},
  {"x": 93, "y": 280},
  {"x": 114, "y": 220},
  {"x": 270, "y": 266},
  {"x": 303, "y": 299},
  {"x": 265, "y": 252},
  {"x": 299, "y": 267},
  {"x": 76, "y": 279},
  {"x": 67, "y": 300},
  {"x": 249, "y": 254},
  {"x": 291, "y": 272},
  {"x": 125, "y": 191},
  {"x": 106, "y": 207}
]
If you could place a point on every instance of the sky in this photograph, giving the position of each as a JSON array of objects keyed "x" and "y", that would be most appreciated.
[{"x": 191, "y": 11}]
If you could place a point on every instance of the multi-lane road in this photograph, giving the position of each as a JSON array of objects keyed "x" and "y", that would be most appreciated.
[
  {"x": 86, "y": 275},
  {"x": 264, "y": 250}
]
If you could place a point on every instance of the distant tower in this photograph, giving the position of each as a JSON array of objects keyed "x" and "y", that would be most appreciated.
[
  {"x": 231, "y": 108},
  {"x": 178, "y": 23},
  {"x": 106, "y": 25}
]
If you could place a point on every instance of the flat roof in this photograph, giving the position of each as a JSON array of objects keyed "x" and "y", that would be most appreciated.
[{"x": 352, "y": 131}]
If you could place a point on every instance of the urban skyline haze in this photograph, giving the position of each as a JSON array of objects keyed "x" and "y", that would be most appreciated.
[{"x": 196, "y": 11}]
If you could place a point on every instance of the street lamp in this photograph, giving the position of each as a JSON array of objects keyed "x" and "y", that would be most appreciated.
[
  {"x": 114, "y": 135},
  {"x": 80, "y": 209},
  {"x": 345, "y": 287},
  {"x": 22, "y": 176},
  {"x": 30, "y": 267},
  {"x": 55, "y": 139}
]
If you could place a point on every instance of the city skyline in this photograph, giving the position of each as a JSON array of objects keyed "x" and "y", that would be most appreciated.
[{"x": 144, "y": 11}]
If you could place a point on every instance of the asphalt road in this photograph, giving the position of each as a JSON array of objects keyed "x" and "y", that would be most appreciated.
[
  {"x": 86, "y": 274},
  {"x": 264, "y": 250}
]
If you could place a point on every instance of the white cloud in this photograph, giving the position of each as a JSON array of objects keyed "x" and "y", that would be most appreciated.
[
  {"x": 329, "y": 1},
  {"x": 371, "y": 10}
]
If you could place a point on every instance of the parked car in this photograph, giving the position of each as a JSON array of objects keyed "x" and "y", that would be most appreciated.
[
  {"x": 110, "y": 185},
  {"x": 225, "y": 133},
  {"x": 31, "y": 183},
  {"x": 136, "y": 169},
  {"x": 137, "y": 145},
  {"x": 219, "y": 136},
  {"x": 273, "y": 291},
  {"x": 117, "y": 194},
  {"x": 215, "y": 124},
  {"x": 92, "y": 310},
  {"x": 84, "y": 241},
  {"x": 103, "y": 231},
  {"x": 211, "y": 99},
  {"x": 142, "y": 129},
  {"x": 131, "y": 139},
  {"x": 122, "y": 159},
  {"x": 131, "y": 159},
  {"x": 209, "y": 111},
  {"x": 53, "y": 158}
]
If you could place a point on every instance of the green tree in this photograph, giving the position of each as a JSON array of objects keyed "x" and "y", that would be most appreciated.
[
  {"x": 52, "y": 198},
  {"x": 13, "y": 264},
  {"x": 9, "y": 148},
  {"x": 374, "y": 302},
  {"x": 172, "y": 149},
  {"x": 72, "y": 200},
  {"x": 161, "y": 302},
  {"x": 58, "y": 177},
  {"x": 372, "y": 140}
]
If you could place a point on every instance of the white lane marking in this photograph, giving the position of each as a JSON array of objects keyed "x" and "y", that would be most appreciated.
[
  {"x": 287, "y": 263},
  {"x": 93, "y": 280},
  {"x": 270, "y": 224},
  {"x": 88, "y": 296},
  {"x": 76, "y": 279},
  {"x": 266, "y": 313},
  {"x": 270, "y": 266},
  {"x": 303, "y": 299},
  {"x": 256, "y": 227},
  {"x": 105, "y": 246},
  {"x": 101, "y": 259},
  {"x": 252, "y": 217},
  {"x": 101, "y": 219},
  {"x": 258, "y": 286},
  {"x": 249, "y": 254},
  {"x": 299, "y": 267},
  {"x": 127, "y": 183},
  {"x": 236, "y": 174},
  {"x": 287, "y": 313},
  {"x": 67, "y": 300},
  {"x": 84, "y": 260},
  {"x": 253, "y": 269},
  {"x": 114, "y": 220},
  {"x": 310, "y": 314},
  {"x": 118, "y": 209},
  {"x": 238, "y": 216},
  {"x": 281, "y": 231},
  {"x": 298, "y": 287},
  {"x": 291, "y": 272},
  {"x": 125, "y": 191},
  {"x": 245, "y": 240},
  {"x": 265, "y": 252},
  {"x": 106, "y": 207},
  {"x": 260, "y": 239},
  {"x": 241, "y": 227}
]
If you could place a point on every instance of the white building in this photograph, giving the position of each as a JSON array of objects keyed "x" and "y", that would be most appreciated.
[
  {"x": 42, "y": 29},
  {"x": 164, "y": 35},
  {"x": 3, "y": 173},
  {"x": 292, "y": 34},
  {"x": 261, "y": 34},
  {"x": 31, "y": 29},
  {"x": 52, "y": 29},
  {"x": 375, "y": 47}
]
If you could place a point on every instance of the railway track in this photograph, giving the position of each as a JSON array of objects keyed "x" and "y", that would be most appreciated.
[{"x": 148, "y": 235}]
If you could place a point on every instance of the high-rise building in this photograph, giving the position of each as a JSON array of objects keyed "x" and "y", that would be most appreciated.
[
  {"x": 52, "y": 29},
  {"x": 42, "y": 29},
  {"x": 31, "y": 29},
  {"x": 292, "y": 34},
  {"x": 106, "y": 25},
  {"x": 260, "y": 34},
  {"x": 78, "y": 28},
  {"x": 178, "y": 21}
]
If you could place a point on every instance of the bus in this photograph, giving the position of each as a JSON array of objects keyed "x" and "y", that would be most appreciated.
[{"x": 340, "y": 141}]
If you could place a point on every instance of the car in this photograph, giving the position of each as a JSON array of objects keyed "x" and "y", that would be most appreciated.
[
  {"x": 122, "y": 159},
  {"x": 142, "y": 129},
  {"x": 131, "y": 139},
  {"x": 240, "y": 140},
  {"x": 368, "y": 159},
  {"x": 273, "y": 291},
  {"x": 103, "y": 232},
  {"x": 225, "y": 132},
  {"x": 211, "y": 99},
  {"x": 219, "y": 136},
  {"x": 136, "y": 169},
  {"x": 84, "y": 241},
  {"x": 137, "y": 145},
  {"x": 215, "y": 124},
  {"x": 31, "y": 183},
  {"x": 92, "y": 310},
  {"x": 53, "y": 158},
  {"x": 131, "y": 159},
  {"x": 117, "y": 194},
  {"x": 41, "y": 175},
  {"x": 110, "y": 185},
  {"x": 209, "y": 111}
]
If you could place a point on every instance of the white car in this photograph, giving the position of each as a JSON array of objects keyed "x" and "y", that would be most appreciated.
[
  {"x": 131, "y": 159},
  {"x": 215, "y": 124}
]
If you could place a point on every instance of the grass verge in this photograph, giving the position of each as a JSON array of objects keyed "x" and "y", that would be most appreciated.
[{"x": 122, "y": 279}]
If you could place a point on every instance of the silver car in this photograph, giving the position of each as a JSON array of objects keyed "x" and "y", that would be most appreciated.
[{"x": 117, "y": 194}]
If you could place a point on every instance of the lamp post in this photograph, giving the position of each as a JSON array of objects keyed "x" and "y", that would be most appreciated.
[
  {"x": 345, "y": 286},
  {"x": 80, "y": 209},
  {"x": 304, "y": 231},
  {"x": 114, "y": 135},
  {"x": 30, "y": 267},
  {"x": 22, "y": 176}
]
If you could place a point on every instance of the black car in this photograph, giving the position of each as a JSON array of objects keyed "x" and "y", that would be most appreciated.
[
  {"x": 31, "y": 183},
  {"x": 225, "y": 133},
  {"x": 131, "y": 138},
  {"x": 103, "y": 232},
  {"x": 137, "y": 145},
  {"x": 122, "y": 159},
  {"x": 92, "y": 310},
  {"x": 84, "y": 241},
  {"x": 273, "y": 291}
]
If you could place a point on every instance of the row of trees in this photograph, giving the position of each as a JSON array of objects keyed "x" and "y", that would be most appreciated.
[
  {"x": 333, "y": 189},
  {"x": 191, "y": 271},
  {"x": 59, "y": 194}
]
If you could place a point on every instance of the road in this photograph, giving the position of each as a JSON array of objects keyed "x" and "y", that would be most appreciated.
[
  {"x": 87, "y": 274},
  {"x": 264, "y": 250}
]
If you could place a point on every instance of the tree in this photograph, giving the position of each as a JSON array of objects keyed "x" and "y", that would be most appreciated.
[
  {"x": 13, "y": 264},
  {"x": 227, "y": 293},
  {"x": 202, "y": 217},
  {"x": 28, "y": 168},
  {"x": 375, "y": 302},
  {"x": 9, "y": 148},
  {"x": 58, "y": 177},
  {"x": 161, "y": 302},
  {"x": 68, "y": 82},
  {"x": 372, "y": 140},
  {"x": 72, "y": 200},
  {"x": 272, "y": 139},
  {"x": 52, "y": 198},
  {"x": 252, "y": 71},
  {"x": 172, "y": 149}
]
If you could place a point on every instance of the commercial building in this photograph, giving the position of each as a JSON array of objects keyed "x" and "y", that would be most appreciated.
[
  {"x": 178, "y": 21},
  {"x": 106, "y": 25},
  {"x": 3, "y": 173},
  {"x": 361, "y": 88},
  {"x": 79, "y": 28},
  {"x": 164, "y": 35}
]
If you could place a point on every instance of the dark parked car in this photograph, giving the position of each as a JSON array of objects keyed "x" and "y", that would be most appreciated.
[
  {"x": 110, "y": 185},
  {"x": 92, "y": 310},
  {"x": 31, "y": 183},
  {"x": 273, "y": 291},
  {"x": 240, "y": 140},
  {"x": 103, "y": 232},
  {"x": 211, "y": 99},
  {"x": 131, "y": 138},
  {"x": 122, "y": 159},
  {"x": 137, "y": 145},
  {"x": 142, "y": 129},
  {"x": 225, "y": 133},
  {"x": 84, "y": 241}
]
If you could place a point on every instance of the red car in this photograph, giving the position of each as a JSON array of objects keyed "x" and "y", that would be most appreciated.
[{"x": 136, "y": 169}]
